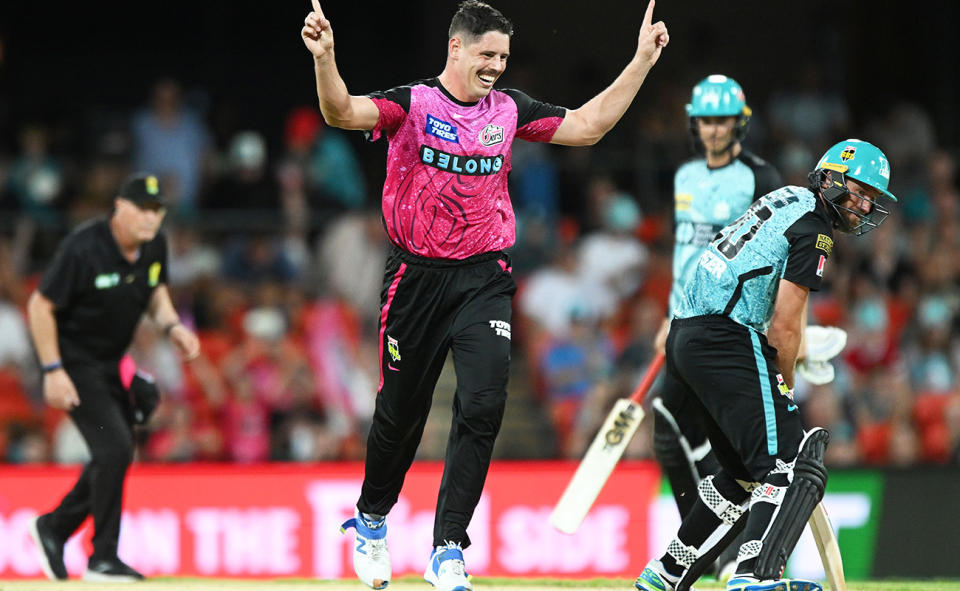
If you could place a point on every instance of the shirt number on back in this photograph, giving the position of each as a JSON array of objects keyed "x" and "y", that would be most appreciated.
[{"x": 728, "y": 248}]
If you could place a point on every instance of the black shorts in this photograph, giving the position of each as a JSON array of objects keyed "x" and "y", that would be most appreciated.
[
  {"x": 430, "y": 305},
  {"x": 731, "y": 371},
  {"x": 429, "y": 308}
]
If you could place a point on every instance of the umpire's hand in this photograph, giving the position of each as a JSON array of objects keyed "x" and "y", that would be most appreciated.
[
  {"x": 59, "y": 391},
  {"x": 186, "y": 342}
]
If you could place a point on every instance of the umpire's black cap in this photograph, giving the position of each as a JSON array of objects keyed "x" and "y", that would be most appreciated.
[{"x": 143, "y": 189}]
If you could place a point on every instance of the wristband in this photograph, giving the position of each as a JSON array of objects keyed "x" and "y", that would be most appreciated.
[
  {"x": 168, "y": 328},
  {"x": 51, "y": 366}
]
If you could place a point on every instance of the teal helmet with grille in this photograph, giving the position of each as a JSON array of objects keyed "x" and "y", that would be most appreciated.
[
  {"x": 862, "y": 162},
  {"x": 719, "y": 96}
]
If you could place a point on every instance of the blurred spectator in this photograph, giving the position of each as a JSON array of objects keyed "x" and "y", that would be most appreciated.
[
  {"x": 932, "y": 369},
  {"x": 537, "y": 240},
  {"x": 35, "y": 186},
  {"x": 16, "y": 351},
  {"x": 644, "y": 318},
  {"x": 343, "y": 358},
  {"x": 822, "y": 406},
  {"x": 350, "y": 262},
  {"x": 794, "y": 163},
  {"x": 97, "y": 190},
  {"x": 572, "y": 366},
  {"x": 910, "y": 134},
  {"x": 171, "y": 139},
  {"x": 268, "y": 363},
  {"x": 870, "y": 344},
  {"x": 255, "y": 258},
  {"x": 69, "y": 447},
  {"x": 611, "y": 259},
  {"x": 36, "y": 177},
  {"x": 191, "y": 258},
  {"x": 27, "y": 445},
  {"x": 296, "y": 216},
  {"x": 332, "y": 170},
  {"x": 246, "y": 424},
  {"x": 246, "y": 185},
  {"x": 551, "y": 293},
  {"x": 812, "y": 112},
  {"x": 175, "y": 441},
  {"x": 534, "y": 181}
]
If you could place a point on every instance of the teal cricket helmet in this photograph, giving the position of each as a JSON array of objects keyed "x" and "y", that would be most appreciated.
[
  {"x": 719, "y": 96},
  {"x": 862, "y": 162}
]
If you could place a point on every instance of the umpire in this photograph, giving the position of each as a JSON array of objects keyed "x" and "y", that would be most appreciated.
[{"x": 104, "y": 276}]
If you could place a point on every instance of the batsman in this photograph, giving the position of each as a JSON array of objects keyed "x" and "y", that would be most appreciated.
[
  {"x": 710, "y": 191},
  {"x": 731, "y": 350}
]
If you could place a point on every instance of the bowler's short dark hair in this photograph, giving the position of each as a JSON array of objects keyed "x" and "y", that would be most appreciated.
[{"x": 474, "y": 18}]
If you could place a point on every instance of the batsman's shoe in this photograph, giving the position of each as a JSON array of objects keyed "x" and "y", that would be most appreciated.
[
  {"x": 653, "y": 578},
  {"x": 742, "y": 583},
  {"x": 50, "y": 549},
  {"x": 446, "y": 570},
  {"x": 371, "y": 559},
  {"x": 111, "y": 570}
]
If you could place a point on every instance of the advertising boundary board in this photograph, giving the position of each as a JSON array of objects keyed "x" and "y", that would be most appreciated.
[{"x": 282, "y": 520}]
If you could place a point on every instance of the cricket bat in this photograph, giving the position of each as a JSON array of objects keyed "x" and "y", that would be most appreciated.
[
  {"x": 829, "y": 549},
  {"x": 602, "y": 455}
]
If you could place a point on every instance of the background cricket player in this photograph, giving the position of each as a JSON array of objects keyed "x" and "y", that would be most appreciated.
[{"x": 710, "y": 191}]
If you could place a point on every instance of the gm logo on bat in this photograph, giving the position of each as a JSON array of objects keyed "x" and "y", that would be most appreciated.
[{"x": 614, "y": 436}]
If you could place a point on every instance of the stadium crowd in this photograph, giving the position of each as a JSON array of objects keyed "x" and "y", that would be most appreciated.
[{"x": 277, "y": 253}]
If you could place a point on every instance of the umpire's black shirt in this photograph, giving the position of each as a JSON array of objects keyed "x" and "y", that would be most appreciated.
[{"x": 98, "y": 295}]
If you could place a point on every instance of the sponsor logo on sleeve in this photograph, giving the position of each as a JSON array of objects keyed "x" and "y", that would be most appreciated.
[
  {"x": 820, "y": 265},
  {"x": 825, "y": 243},
  {"x": 153, "y": 276},
  {"x": 441, "y": 129},
  {"x": 491, "y": 135}
]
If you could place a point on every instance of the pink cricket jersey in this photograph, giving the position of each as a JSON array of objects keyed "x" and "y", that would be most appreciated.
[{"x": 445, "y": 195}]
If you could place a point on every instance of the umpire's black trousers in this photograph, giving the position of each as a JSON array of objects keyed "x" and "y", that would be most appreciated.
[
  {"x": 105, "y": 419},
  {"x": 430, "y": 307}
]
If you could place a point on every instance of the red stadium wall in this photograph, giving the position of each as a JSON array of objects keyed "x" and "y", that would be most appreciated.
[{"x": 283, "y": 521}]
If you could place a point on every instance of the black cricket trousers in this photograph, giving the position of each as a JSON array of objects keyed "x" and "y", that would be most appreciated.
[
  {"x": 427, "y": 308},
  {"x": 105, "y": 419}
]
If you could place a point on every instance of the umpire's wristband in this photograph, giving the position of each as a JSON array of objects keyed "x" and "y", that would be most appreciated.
[{"x": 54, "y": 366}]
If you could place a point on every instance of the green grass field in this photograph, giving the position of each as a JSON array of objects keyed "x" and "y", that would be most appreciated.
[{"x": 417, "y": 584}]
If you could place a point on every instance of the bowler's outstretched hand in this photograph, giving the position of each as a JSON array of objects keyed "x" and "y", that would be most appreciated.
[
  {"x": 316, "y": 32},
  {"x": 653, "y": 37}
]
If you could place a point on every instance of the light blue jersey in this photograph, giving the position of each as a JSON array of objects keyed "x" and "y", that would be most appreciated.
[
  {"x": 707, "y": 199},
  {"x": 784, "y": 234}
]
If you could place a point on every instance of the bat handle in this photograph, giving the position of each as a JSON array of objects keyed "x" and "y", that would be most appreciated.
[{"x": 651, "y": 374}]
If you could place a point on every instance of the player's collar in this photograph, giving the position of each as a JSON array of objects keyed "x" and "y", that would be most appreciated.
[{"x": 447, "y": 94}]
